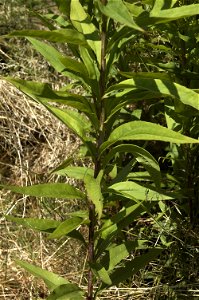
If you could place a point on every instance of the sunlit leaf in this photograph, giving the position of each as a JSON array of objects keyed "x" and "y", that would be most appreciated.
[
  {"x": 118, "y": 11},
  {"x": 50, "y": 190},
  {"x": 51, "y": 280},
  {"x": 138, "y": 192},
  {"x": 81, "y": 21},
  {"x": 58, "y": 36},
  {"x": 36, "y": 224},
  {"x": 141, "y": 130},
  {"x": 66, "y": 227}
]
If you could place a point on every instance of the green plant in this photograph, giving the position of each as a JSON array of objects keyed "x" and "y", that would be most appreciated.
[{"x": 97, "y": 33}]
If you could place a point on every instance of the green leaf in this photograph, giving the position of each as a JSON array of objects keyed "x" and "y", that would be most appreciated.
[
  {"x": 75, "y": 172},
  {"x": 159, "y": 87},
  {"x": 140, "y": 130},
  {"x": 102, "y": 273},
  {"x": 118, "y": 11},
  {"x": 36, "y": 224},
  {"x": 133, "y": 266},
  {"x": 83, "y": 24},
  {"x": 51, "y": 280},
  {"x": 92, "y": 68},
  {"x": 112, "y": 227},
  {"x": 138, "y": 192},
  {"x": 63, "y": 6},
  {"x": 66, "y": 227},
  {"x": 166, "y": 15},
  {"x": 94, "y": 193},
  {"x": 58, "y": 36},
  {"x": 141, "y": 155},
  {"x": 66, "y": 292},
  {"x": 117, "y": 253},
  {"x": 42, "y": 93},
  {"x": 73, "y": 120},
  {"x": 50, "y": 190},
  {"x": 55, "y": 58}
]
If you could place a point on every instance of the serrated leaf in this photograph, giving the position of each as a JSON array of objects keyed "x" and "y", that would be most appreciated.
[
  {"x": 67, "y": 292},
  {"x": 51, "y": 280},
  {"x": 66, "y": 227},
  {"x": 118, "y": 11},
  {"x": 50, "y": 190}
]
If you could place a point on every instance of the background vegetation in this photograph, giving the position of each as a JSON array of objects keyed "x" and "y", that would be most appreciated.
[{"x": 30, "y": 145}]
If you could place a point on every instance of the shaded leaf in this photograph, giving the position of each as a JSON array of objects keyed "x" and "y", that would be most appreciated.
[
  {"x": 133, "y": 266},
  {"x": 67, "y": 292},
  {"x": 141, "y": 155}
]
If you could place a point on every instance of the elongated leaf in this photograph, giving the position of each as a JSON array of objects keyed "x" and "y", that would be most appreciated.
[
  {"x": 59, "y": 36},
  {"x": 139, "y": 192},
  {"x": 66, "y": 227},
  {"x": 132, "y": 267},
  {"x": 92, "y": 68},
  {"x": 75, "y": 172},
  {"x": 165, "y": 15},
  {"x": 51, "y": 280},
  {"x": 42, "y": 93},
  {"x": 116, "y": 254},
  {"x": 73, "y": 119},
  {"x": 118, "y": 222},
  {"x": 102, "y": 273},
  {"x": 160, "y": 87},
  {"x": 83, "y": 24},
  {"x": 118, "y": 11},
  {"x": 50, "y": 190},
  {"x": 94, "y": 193},
  {"x": 141, "y": 155},
  {"x": 140, "y": 130},
  {"x": 67, "y": 292},
  {"x": 55, "y": 58},
  {"x": 37, "y": 224}
]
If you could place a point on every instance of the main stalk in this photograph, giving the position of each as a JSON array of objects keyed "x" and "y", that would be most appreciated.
[{"x": 100, "y": 140}]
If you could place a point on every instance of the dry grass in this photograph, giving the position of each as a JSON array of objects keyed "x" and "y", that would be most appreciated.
[{"x": 31, "y": 144}]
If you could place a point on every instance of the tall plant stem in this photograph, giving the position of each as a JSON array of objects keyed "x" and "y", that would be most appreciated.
[{"x": 97, "y": 167}]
